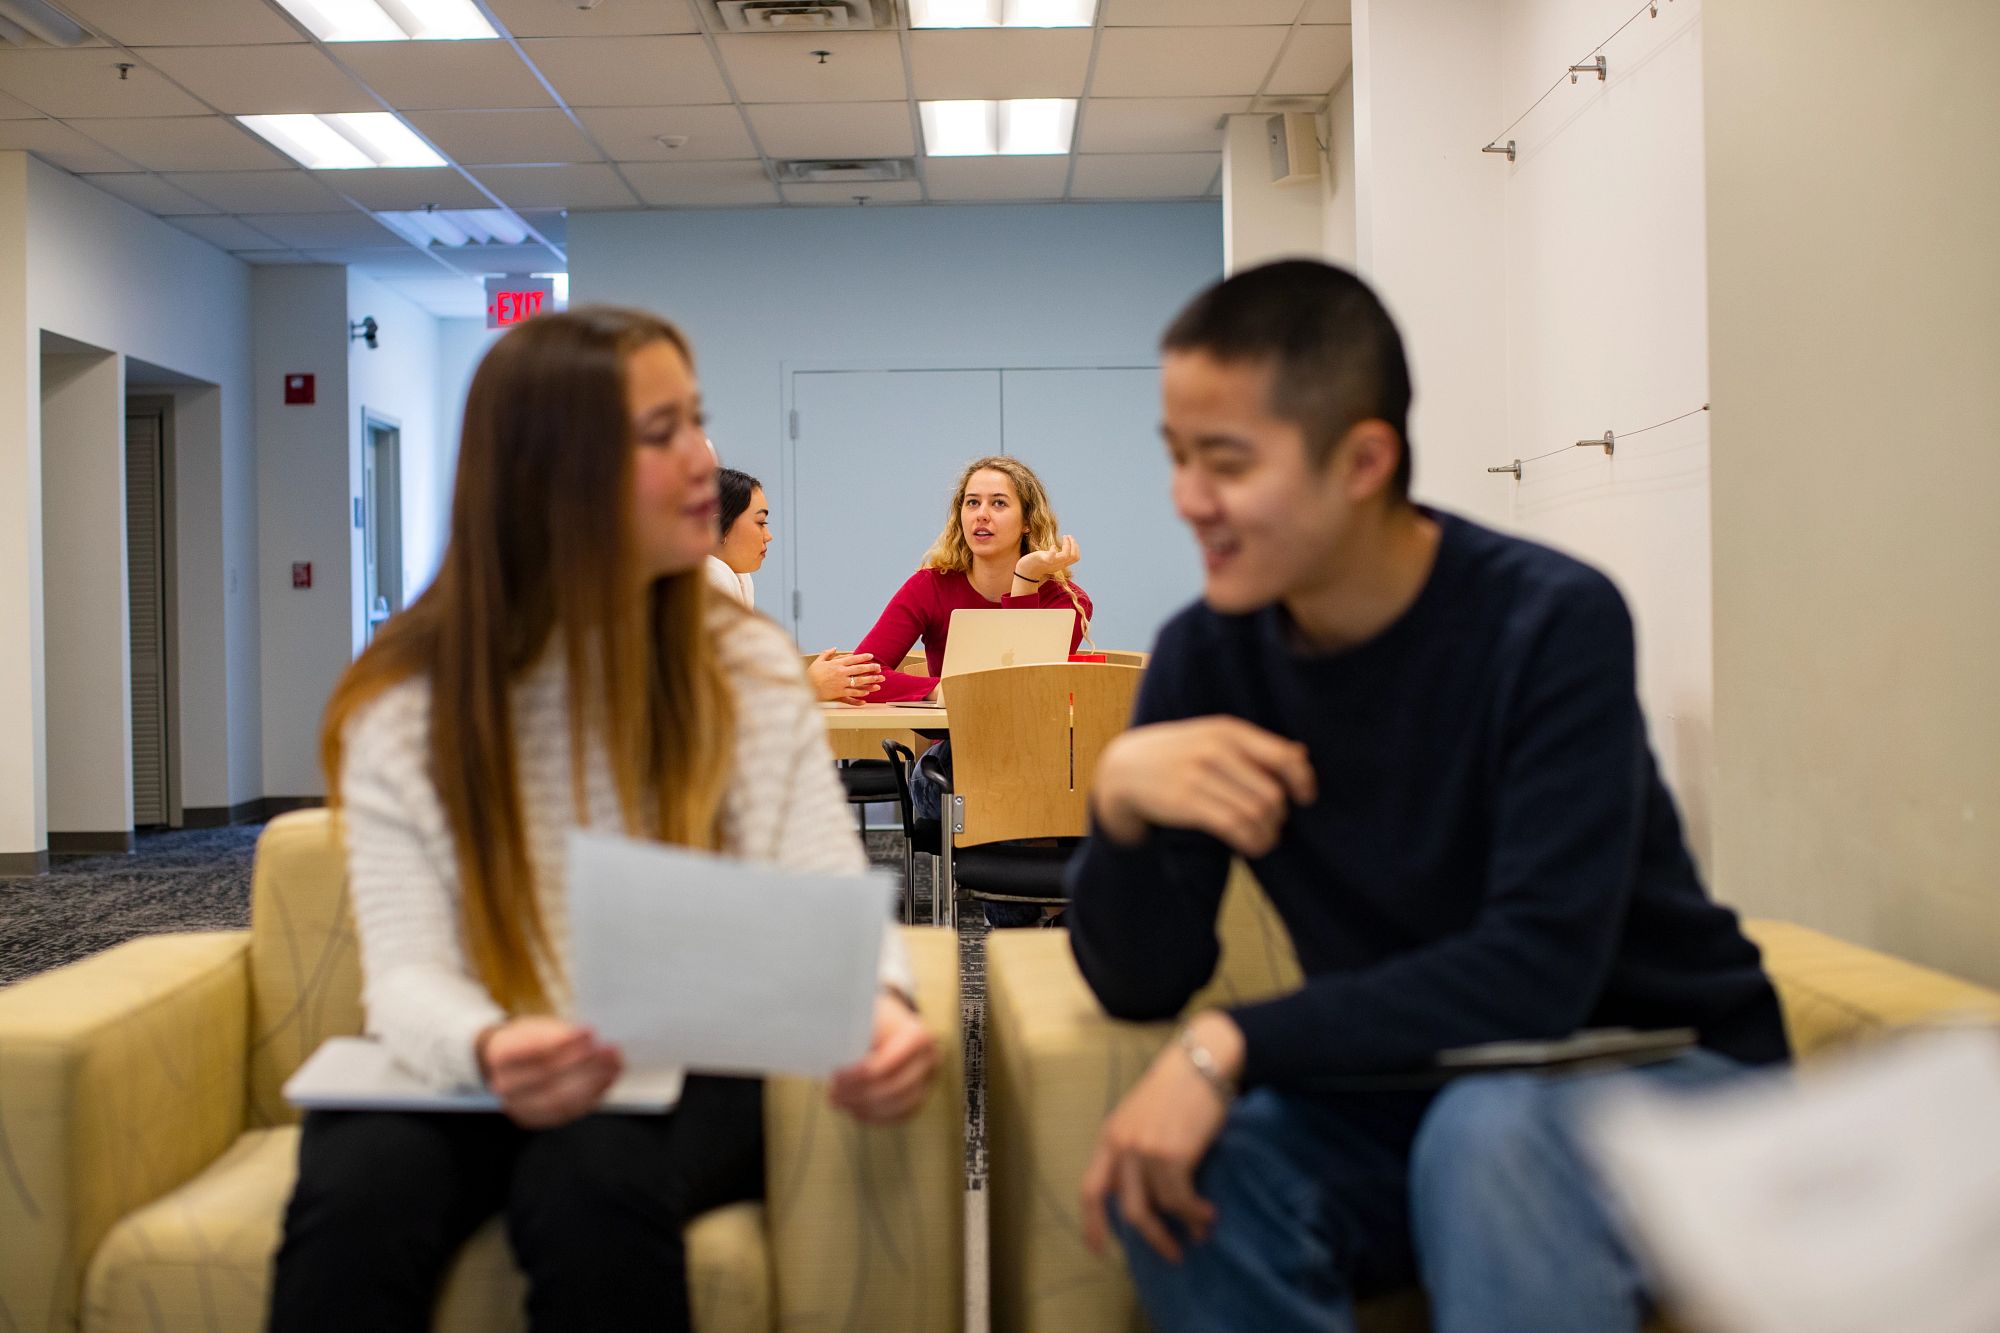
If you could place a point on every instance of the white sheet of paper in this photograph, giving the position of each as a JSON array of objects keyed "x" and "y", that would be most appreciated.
[
  {"x": 1859, "y": 1195},
  {"x": 682, "y": 958},
  {"x": 359, "y": 1074}
]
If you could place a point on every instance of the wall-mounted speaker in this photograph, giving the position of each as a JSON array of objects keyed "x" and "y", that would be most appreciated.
[{"x": 1294, "y": 139}]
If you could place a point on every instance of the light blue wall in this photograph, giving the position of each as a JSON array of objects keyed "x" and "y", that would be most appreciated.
[{"x": 981, "y": 286}]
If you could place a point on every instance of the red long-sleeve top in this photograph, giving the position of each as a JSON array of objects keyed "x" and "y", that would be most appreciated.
[{"x": 921, "y": 609}]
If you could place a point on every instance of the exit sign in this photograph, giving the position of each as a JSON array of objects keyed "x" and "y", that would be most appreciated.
[{"x": 511, "y": 300}]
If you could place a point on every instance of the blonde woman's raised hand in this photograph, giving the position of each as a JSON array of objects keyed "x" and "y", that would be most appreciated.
[{"x": 1040, "y": 565}]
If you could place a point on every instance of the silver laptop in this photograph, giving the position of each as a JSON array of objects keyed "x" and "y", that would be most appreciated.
[{"x": 983, "y": 640}]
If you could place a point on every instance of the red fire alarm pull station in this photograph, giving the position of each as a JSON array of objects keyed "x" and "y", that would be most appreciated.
[
  {"x": 302, "y": 574},
  {"x": 298, "y": 389}
]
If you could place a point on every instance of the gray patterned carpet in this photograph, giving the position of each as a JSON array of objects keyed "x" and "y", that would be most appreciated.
[{"x": 200, "y": 880}]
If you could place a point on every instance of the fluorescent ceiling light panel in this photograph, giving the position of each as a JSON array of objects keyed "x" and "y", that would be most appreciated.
[
  {"x": 456, "y": 226},
  {"x": 391, "y": 20},
  {"x": 345, "y": 140},
  {"x": 1023, "y": 127},
  {"x": 1002, "y": 13}
]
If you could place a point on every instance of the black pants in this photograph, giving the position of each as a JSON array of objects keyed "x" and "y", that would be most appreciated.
[{"x": 594, "y": 1210}]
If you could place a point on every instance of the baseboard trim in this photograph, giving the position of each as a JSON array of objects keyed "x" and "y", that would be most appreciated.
[
  {"x": 20, "y": 865},
  {"x": 113, "y": 842},
  {"x": 259, "y": 811}
]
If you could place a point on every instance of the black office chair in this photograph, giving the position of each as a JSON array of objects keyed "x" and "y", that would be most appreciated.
[{"x": 919, "y": 835}]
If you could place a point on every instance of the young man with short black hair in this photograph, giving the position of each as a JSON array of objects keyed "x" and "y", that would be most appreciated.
[{"x": 1425, "y": 738}]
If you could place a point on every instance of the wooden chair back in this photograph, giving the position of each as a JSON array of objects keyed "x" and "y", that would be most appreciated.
[
  {"x": 1116, "y": 657},
  {"x": 1025, "y": 743}
]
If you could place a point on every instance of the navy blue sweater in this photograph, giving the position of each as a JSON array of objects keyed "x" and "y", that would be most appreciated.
[{"x": 1491, "y": 855}]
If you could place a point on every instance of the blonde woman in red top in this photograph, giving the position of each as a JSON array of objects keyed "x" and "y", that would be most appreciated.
[{"x": 1000, "y": 549}]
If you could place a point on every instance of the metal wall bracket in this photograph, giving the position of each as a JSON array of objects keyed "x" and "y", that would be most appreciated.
[
  {"x": 1513, "y": 467},
  {"x": 1594, "y": 67},
  {"x": 1496, "y": 148},
  {"x": 1605, "y": 444}
]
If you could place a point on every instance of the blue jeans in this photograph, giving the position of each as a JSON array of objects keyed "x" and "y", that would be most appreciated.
[{"x": 1483, "y": 1195}]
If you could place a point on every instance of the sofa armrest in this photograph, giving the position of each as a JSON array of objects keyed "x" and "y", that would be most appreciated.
[
  {"x": 120, "y": 1077},
  {"x": 867, "y": 1224},
  {"x": 1834, "y": 992},
  {"x": 1056, "y": 1065}
]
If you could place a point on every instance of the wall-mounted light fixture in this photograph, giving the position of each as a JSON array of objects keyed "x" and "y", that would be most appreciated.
[{"x": 365, "y": 329}]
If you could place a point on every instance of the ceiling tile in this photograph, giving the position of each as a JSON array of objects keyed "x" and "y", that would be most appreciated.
[
  {"x": 408, "y": 187},
  {"x": 1184, "y": 62},
  {"x": 224, "y": 233},
  {"x": 1330, "y": 11},
  {"x": 186, "y": 22},
  {"x": 483, "y": 137},
  {"x": 1198, "y": 13},
  {"x": 860, "y": 67},
  {"x": 431, "y": 76},
  {"x": 623, "y": 18},
  {"x": 557, "y": 187},
  {"x": 839, "y": 129},
  {"x": 14, "y": 109},
  {"x": 292, "y": 191},
  {"x": 72, "y": 85},
  {"x": 467, "y": 259},
  {"x": 267, "y": 257},
  {"x": 1144, "y": 175},
  {"x": 629, "y": 71},
  {"x": 1313, "y": 62},
  {"x": 700, "y": 184},
  {"x": 261, "y": 80},
  {"x": 59, "y": 146},
  {"x": 186, "y": 143},
  {"x": 875, "y": 192},
  {"x": 552, "y": 223},
  {"x": 320, "y": 231},
  {"x": 383, "y": 261},
  {"x": 632, "y": 133},
  {"x": 147, "y": 191},
  {"x": 996, "y": 63},
  {"x": 953, "y": 178},
  {"x": 1155, "y": 124}
]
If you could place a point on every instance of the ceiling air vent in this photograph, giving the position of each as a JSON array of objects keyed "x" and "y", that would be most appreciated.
[
  {"x": 798, "y": 15},
  {"x": 843, "y": 171}
]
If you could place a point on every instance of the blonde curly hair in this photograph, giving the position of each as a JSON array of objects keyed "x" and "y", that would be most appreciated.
[{"x": 952, "y": 554}]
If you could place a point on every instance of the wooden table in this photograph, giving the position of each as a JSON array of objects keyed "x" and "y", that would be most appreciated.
[{"x": 856, "y": 731}]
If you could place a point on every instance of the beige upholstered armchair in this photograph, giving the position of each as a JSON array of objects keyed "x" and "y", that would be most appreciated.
[
  {"x": 146, "y": 1154},
  {"x": 1057, "y": 1065}
]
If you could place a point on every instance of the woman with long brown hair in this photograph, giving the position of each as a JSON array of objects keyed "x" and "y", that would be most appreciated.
[{"x": 568, "y": 668}]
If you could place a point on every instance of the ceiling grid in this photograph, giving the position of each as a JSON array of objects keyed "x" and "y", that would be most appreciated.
[{"x": 576, "y": 108}]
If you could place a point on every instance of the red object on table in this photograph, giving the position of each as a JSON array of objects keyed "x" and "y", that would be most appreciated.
[{"x": 1088, "y": 657}]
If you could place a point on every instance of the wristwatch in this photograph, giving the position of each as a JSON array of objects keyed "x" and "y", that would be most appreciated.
[{"x": 1206, "y": 1065}]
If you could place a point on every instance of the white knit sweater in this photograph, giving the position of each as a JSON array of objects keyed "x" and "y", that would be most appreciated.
[{"x": 784, "y": 806}]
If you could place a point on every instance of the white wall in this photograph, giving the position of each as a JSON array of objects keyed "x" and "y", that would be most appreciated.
[
  {"x": 1607, "y": 328},
  {"x": 975, "y": 286},
  {"x": 305, "y": 475},
  {"x": 461, "y": 345},
  {"x": 399, "y": 379},
  {"x": 1854, "y": 328},
  {"x": 1263, "y": 221},
  {"x": 1429, "y": 227},
  {"x": 80, "y": 264},
  {"x": 1337, "y": 184},
  {"x": 85, "y": 625}
]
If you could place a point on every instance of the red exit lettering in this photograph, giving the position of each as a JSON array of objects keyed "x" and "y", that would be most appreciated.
[{"x": 513, "y": 307}]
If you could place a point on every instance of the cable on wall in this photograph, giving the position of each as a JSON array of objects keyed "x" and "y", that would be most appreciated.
[
  {"x": 1607, "y": 442},
  {"x": 1592, "y": 63}
]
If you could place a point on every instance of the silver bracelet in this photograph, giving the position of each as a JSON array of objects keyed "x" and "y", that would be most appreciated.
[{"x": 1205, "y": 1064}]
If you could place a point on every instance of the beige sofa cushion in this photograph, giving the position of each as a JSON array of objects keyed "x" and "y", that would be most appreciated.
[{"x": 200, "y": 1258}]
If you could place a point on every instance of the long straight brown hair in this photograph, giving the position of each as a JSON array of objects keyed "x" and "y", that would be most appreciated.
[{"x": 542, "y": 543}]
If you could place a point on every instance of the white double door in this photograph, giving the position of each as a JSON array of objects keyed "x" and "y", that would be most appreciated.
[{"x": 874, "y": 454}]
